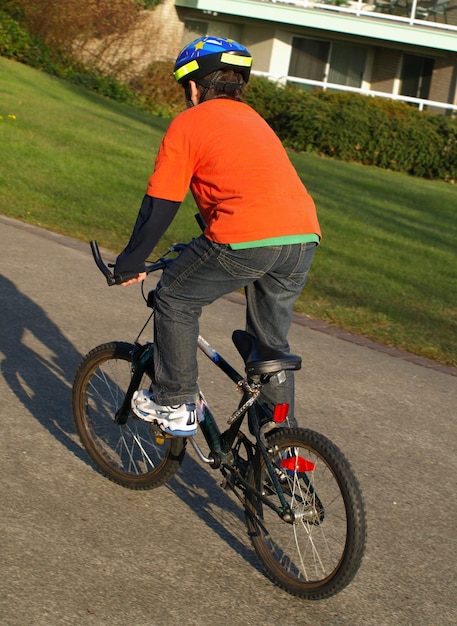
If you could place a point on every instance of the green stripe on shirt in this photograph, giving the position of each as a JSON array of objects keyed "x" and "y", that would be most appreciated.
[{"x": 276, "y": 241}]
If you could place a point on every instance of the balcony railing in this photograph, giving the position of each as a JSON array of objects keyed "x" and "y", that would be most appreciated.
[
  {"x": 441, "y": 14},
  {"x": 421, "y": 103}
]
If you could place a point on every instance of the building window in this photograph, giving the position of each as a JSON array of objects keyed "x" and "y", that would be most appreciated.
[
  {"x": 347, "y": 65},
  {"x": 329, "y": 62},
  {"x": 309, "y": 58},
  {"x": 416, "y": 76}
]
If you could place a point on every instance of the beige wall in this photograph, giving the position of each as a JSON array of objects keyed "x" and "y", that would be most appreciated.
[{"x": 168, "y": 38}]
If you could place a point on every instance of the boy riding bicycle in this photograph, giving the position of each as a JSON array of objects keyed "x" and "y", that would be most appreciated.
[{"x": 261, "y": 229}]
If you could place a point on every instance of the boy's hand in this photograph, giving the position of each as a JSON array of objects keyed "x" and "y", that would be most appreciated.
[{"x": 137, "y": 279}]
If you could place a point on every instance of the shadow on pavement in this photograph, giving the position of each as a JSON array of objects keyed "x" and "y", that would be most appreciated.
[
  {"x": 39, "y": 365},
  {"x": 217, "y": 508}
]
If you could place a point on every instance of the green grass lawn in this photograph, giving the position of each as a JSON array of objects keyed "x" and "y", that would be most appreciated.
[{"x": 78, "y": 164}]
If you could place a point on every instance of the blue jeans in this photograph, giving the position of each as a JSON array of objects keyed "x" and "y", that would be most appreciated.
[{"x": 273, "y": 278}]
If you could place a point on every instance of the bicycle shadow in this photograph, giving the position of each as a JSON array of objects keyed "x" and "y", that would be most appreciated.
[
  {"x": 38, "y": 364},
  {"x": 217, "y": 508}
]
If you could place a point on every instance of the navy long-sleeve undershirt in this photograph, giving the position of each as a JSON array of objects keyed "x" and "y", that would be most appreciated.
[{"x": 154, "y": 217}]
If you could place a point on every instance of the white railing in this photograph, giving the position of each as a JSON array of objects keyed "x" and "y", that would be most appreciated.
[
  {"x": 421, "y": 103},
  {"x": 412, "y": 12}
]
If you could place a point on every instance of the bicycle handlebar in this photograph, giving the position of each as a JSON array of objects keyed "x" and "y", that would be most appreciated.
[{"x": 118, "y": 279}]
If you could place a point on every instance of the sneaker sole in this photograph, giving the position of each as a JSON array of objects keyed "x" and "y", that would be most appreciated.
[
  {"x": 146, "y": 417},
  {"x": 179, "y": 433}
]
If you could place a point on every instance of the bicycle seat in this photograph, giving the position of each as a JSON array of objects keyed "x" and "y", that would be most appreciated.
[{"x": 260, "y": 358}]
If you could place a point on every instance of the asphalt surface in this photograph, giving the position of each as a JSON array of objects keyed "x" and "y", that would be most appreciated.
[{"x": 77, "y": 549}]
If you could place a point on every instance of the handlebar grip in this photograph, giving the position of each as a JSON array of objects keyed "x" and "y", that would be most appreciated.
[
  {"x": 111, "y": 279},
  {"x": 118, "y": 279}
]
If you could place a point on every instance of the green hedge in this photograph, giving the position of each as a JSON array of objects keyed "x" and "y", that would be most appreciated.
[
  {"x": 352, "y": 127},
  {"x": 15, "y": 42},
  {"x": 349, "y": 127}
]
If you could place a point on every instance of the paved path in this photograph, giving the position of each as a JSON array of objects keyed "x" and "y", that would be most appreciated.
[{"x": 76, "y": 549}]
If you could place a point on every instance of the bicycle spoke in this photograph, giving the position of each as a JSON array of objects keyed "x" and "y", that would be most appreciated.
[{"x": 126, "y": 453}]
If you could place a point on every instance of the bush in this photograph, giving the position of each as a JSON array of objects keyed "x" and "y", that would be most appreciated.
[
  {"x": 157, "y": 91},
  {"x": 60, "y": 24},
  {"x": 94, "y": 80},
  {"x": 352, "y": 127},
  {"x": 15, "y": 41}
]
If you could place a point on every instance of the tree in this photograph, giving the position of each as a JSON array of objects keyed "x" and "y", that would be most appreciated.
[{"x": 92, "y": 30}]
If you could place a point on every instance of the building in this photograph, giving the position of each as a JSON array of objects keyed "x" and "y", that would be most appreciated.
[{"x": 400, "y": 49}]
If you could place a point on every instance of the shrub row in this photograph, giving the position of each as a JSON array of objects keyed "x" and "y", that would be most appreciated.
[
  {"x": 353, "y": 127},
  {"x": 350, "y": 127}
]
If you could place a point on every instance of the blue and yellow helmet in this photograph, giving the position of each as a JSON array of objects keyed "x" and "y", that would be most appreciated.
[{"x": 209, "y": 54}]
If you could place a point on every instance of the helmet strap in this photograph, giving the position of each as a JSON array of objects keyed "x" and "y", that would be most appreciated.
[
  {"x": 187, "y": 94},
  {"x": 226, "y": 88},
  {"x": 209, "y": 84}
]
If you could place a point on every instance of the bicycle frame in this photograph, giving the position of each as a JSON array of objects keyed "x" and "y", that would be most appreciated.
[
  {"x": 223, "y": 442},
  {"x": 219, "y": 444}
]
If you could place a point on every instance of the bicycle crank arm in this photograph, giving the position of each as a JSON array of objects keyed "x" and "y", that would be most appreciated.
[
  {"x": 284, "y": 512},
  {"x": 214, "y": 458}
]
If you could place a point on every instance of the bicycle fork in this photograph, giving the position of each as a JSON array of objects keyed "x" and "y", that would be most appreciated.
[{"x": 138, "y": 369}]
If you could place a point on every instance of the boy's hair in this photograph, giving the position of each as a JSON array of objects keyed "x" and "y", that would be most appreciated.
[{"x": 228, "y": 83}]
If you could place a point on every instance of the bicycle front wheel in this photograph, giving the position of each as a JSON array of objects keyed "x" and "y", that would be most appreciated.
[
  {"x": 317, "y": 553},
  {"x": 130, "y": 454}
]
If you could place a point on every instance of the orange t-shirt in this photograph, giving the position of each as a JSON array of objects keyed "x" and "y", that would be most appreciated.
[{"x": 238, "y": 171}]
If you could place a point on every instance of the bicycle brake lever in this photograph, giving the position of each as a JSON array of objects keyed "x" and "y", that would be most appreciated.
[{"x": 110, "y": 278}]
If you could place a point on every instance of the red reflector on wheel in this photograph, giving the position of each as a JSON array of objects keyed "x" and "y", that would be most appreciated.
[
  {"x": 298, "y": 464},
  {"x": 280, "y": 412}
]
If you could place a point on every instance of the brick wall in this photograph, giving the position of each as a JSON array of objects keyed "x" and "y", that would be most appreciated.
[
  {"x": 168, "y": 40},
  {"x": 158, "y": 36},
  {"x": 444, "y": 77},
  {"x": 385, "y": 69}
]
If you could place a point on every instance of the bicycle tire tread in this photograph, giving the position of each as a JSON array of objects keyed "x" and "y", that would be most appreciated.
[{"x": 356, "y": 526}]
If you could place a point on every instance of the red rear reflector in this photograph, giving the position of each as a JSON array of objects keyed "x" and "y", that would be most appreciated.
[
  {"x": 298, "y": 464},
  {"x": 280, "y": 412}
]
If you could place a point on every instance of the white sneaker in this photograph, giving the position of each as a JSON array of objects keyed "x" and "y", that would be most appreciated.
[{"x": 180, "y": 421}]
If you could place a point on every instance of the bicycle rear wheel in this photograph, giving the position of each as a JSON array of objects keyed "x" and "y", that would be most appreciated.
[
  {"x": 130, "y": 454},
  {"x": 318, "y": 554}
]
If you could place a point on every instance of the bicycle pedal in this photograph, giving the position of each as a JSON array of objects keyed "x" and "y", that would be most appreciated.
[{"x": 159, "y": 435}]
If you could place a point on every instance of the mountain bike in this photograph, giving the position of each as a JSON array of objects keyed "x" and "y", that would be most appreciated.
[{"x": 303, "y": 506}]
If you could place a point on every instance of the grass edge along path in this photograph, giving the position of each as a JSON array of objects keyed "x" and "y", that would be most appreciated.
[{"x": 77, "y": 164}]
